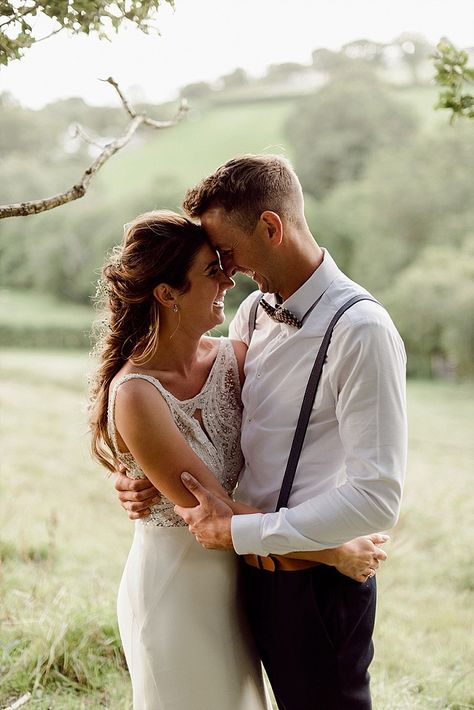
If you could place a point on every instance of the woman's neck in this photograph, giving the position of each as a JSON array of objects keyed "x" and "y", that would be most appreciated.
[{"x": 177, "y": 351}]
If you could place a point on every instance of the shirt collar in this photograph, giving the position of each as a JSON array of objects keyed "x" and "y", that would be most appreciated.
[{"x": 311, "y": 291}]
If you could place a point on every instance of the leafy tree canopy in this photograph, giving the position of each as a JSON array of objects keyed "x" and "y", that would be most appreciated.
[
  {"x": 103, "y": 17},
  {"x": 334, "y": 132},
  {"x": 454, "y": 75}
]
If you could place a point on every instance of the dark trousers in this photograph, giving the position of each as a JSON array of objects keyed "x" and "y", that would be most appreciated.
[{"x": 313, "y": 630}]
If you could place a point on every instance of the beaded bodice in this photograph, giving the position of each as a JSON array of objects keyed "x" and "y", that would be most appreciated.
[{"x": 216, "y": 441}]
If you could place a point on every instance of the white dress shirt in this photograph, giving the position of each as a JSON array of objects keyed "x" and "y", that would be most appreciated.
[{"x": 350, "y": 474}]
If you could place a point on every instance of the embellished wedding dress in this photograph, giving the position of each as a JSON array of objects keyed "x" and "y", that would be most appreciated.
[{"x": 183, "y": 630}]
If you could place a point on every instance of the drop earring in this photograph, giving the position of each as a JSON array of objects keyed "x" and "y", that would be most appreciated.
[{"x": 176, "y": 310}]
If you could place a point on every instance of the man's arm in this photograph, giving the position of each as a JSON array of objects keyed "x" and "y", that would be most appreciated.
[
  {"x": 210, "y": 522},
  {"x": 136, "y": 495},
  {"x": 369, "y": 387}
]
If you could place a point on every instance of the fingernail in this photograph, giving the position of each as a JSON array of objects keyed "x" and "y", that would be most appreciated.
[{"x": 185, "y": 476}]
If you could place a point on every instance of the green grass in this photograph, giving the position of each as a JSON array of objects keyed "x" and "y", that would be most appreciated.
[
  {"x": 27, "y": 308},
  {"x": 64, "y": 540}
]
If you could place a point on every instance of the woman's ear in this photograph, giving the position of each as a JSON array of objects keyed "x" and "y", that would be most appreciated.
[
  {"x": 273, "y": 225},
  {"x": 165, "y": 295}
]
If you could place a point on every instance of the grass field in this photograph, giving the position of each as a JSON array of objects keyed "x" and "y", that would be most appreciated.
[{"x": 64, "y": 540}]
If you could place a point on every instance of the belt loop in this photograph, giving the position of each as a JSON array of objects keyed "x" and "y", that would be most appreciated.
[{"x": 259, "y": 562}]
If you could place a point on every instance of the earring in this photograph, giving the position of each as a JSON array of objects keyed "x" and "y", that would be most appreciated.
[{"x": 175, "y": 308}]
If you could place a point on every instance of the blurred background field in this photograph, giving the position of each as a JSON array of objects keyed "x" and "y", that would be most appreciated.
[
  {"x": 388, "y": 190},
  {"x": 64, "y": 541}
]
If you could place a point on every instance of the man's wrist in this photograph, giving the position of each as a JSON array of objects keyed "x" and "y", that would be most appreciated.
[{"x": 246, "y": 537}]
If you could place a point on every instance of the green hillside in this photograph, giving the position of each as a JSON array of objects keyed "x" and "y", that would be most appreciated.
[
  {"x": 179, "y": 157},
  {"x": 172, "y": 160}
]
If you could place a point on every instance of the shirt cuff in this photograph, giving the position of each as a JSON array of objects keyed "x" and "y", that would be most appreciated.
[{"x": 246, "y": 534}]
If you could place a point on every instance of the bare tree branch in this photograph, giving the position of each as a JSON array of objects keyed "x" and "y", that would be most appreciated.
[
  {"x": 22, "y": 209},
  {"x": 79, "y": 132}
]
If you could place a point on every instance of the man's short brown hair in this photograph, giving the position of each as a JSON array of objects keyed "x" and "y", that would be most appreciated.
[{"x": 245, "y": 187}]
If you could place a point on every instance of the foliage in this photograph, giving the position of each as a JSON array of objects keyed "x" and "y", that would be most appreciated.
[
  {"x": 334, "y": 132},
  {"x": 432, "y": 302},
  {"x": 102, "y": 17},
  {"x": 454, "y": 73},
  {"x": 413, "y": 208},
  {"x": 415, "y": 51}
]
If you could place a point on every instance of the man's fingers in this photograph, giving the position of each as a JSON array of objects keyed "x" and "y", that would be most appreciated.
[
  {"x": 380, "y": 555},
  {"x": 195, "y": 487},
  {"x": 147, "y": 496},
  {"x": 137, "y": 516},
  {"x": 123, "y": 483}
]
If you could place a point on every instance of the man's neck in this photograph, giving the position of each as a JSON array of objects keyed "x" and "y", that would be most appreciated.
[{"x": 298, "y": 267}]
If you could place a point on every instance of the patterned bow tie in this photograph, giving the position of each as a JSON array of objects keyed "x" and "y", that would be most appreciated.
[{"x": 281, "y": 315}]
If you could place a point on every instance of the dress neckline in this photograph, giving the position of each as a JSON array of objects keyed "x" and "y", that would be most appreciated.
[{"x": 170, "y": 394}]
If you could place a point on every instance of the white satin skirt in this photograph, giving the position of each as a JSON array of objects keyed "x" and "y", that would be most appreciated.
[{"x": 184, "y": 634}]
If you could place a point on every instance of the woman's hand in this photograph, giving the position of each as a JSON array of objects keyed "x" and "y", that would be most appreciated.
[{"x": 360, "y": 558}]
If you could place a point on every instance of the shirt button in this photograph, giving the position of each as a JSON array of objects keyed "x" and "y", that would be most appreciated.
[
  {"x": 249, "y": 419},
  {"x": 259, "y": 374}
]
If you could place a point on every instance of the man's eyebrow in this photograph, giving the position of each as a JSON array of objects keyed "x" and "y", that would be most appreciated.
[{"x": 212, "y": 264}]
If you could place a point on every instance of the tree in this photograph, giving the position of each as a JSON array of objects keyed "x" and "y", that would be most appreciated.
[
  {"x": 415, "y": 52},
  {"x": 234, "y": 79},
  {"x": 432, "y": 302},
  {"x": 334, "y": 132},
  {"x": 365, "y": 50},
  {"x": 102, "y": 17},
  {"x": 106, "y": 151},
  {"x": 454, "y": 74},
  {"x": 328, "y": 61}
]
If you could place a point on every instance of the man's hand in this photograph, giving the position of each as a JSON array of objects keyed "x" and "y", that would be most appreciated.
[
  {"x": 361, "y": 557},
  {"x": 209, "y": 521},
  {"x": 136, "y": 495}
]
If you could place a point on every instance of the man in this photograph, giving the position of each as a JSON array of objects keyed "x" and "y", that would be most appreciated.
[{"x": 313, "y": 626}]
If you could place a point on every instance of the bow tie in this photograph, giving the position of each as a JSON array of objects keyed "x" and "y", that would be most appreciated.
[{"x": 281, "y": 315}]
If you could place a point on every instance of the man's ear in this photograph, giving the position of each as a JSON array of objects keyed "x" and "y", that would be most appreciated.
[
  {"x": 165, "y": 295},
  {"x": 273, "y": 226}
]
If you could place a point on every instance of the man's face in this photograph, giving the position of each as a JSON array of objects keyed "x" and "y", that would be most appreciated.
[{"x": 239, "y": 250}]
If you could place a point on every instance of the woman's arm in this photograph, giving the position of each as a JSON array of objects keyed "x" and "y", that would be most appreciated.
[
  {"x": 146, "y": 427},
  {"x": 358, "y": 558}
]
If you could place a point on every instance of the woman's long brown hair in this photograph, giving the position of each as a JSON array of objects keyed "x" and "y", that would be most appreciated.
[{"x": 158, "y": 247}]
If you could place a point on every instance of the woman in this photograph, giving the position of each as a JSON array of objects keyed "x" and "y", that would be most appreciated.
[{"x": 167, "y": 399}]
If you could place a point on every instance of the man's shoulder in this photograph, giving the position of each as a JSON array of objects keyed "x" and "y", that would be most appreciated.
[{"x": 367, "y": 318}]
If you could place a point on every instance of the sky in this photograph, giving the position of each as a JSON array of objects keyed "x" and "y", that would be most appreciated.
[{"x": 203, "y": 39}]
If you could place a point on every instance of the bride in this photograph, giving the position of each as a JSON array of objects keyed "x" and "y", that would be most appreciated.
[{"x": 166, "y": 399}]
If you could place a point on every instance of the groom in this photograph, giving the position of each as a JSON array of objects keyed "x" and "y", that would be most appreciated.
[{"x": 313, "y": 626}]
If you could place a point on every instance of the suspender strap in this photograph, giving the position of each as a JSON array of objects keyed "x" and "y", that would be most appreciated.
[
  {"x": 253, "y": 315},
  {"x": 308, "y": 401}
]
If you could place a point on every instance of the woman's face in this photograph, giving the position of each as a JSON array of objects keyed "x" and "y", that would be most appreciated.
[{"x": 202, "y": 306}]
